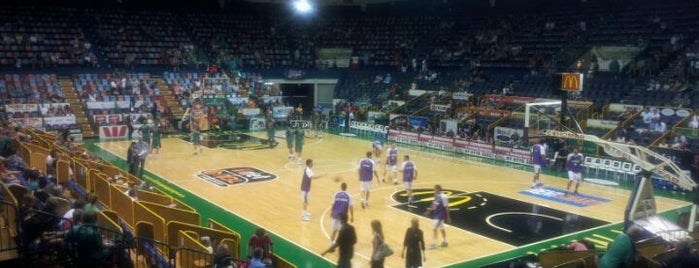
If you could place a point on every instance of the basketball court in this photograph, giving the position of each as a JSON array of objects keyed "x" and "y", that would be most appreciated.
[{"x": 493, "y": 207}]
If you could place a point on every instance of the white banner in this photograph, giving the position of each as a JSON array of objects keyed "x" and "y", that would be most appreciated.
[
  {"x": 21, "y": 108},
  {"x": 369, "y": 127},
  {"x": 59, "y": 121},
  {"x": 618, "y": 107},
  {"x": 34, "y": 122},
  {"x": 123, "y": 104},
  {"x": 396, "y": 103},
  {"x": 282, "y": 112},
  {"x": 439, "y": 107},
  {"x": 238, "y": 101},
  {"x": 602, "y": 123},
  {"x": 446, "y": 125},
  {"x": 100, "y": 105},
  {"x": 416, "y": 92},
  {"x": 461, "y": 96},
  {"x": 251, "y": 111}
]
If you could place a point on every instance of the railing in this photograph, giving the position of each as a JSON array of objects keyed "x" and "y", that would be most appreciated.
[
  {"x": 152, "y": 253},
  {"x": 9, "y": 226}
]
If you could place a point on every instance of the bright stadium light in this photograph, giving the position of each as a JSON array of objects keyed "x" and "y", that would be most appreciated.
[{"x": 302, "y": 6}]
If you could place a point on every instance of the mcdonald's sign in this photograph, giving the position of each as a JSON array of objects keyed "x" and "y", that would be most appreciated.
[{"x": 571, "y": 82}]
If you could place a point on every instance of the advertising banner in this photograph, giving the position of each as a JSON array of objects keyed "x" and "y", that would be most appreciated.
[
  {"x": 123, "y": 104},
  {"x": 106, "y": 119},
  {"x": 439, "y": 107},
  {"x": 282, "y": 112},
  {"x": 257, "y": 124},
  {"x": 508, "y": 137},
  {"x": 113, "y": 132},
  {"x": 251, "y": 111},
  {"x": 21, "y": 108},
  {"x": 416, "y": 92},
  {"x": 59, "y": 121},
  {"x": 365, "y": 126},
  {"x": 31, "y": 122},
  {"x": 461, "y": 96},
  {"x": 417, "y": 121},
  {"x": 598, "y": 123},
  {"x": 100, "y": 105}
]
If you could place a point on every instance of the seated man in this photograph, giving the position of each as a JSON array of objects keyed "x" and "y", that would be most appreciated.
[
  {"x": 621, "y": 251},
  {"x": 85, "y": 244}
]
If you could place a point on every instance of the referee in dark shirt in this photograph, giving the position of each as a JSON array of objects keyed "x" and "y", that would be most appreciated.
[{"x": 346, "y": 238}]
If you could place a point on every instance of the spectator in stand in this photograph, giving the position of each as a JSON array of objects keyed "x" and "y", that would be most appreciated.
[
  {"x": 621, "y": 251},
  {"x": 132, "y": 191},
  {"x": 579, "y": 245},
  {"x": 91, "y": 202},
  {"x": 685, "y": 255},
  {"x": 51, "y": 162},
  {"x": 223, "y": 257},
  {"x": 694, "y": 121},
  {"x": 261, "y": 240},
  {"x": 206, "y": 242},
  {"x": 661, "y": 127},
  {"x": 256, "y": 261},
  {"x": 14, "y": 161},
  {"x": 680, "y": 142}
]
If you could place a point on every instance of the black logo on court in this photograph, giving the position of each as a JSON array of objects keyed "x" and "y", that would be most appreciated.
[
  {"x": 235, "y": 176},
  {"x": 497, "y": 217}
]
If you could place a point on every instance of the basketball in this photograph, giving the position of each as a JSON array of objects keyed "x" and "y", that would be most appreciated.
[{"x": 337, "y": 178}]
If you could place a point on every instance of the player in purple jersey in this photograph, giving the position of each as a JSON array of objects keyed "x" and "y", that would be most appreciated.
[
  {"x": 409, "y": 171},
  {"x": 306, "y": 188},
  {"x": 342, "y": 204},
  {"x": 376, "y": 147},
  {"x": 538, "y": 160},
  {"x": 440, "y": 215},
  {"x": 575, "y": 166},
  {"x": 367, "y": 172},
  {"x": 391, "y": 163}
]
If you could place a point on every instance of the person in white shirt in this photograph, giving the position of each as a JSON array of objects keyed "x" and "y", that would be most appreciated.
[
  {"x": 661, "y": 127},
  {"x": 694, "y": 122}
]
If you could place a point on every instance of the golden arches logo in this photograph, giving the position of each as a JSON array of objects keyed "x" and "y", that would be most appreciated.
[{"x": 571, "y": 81}]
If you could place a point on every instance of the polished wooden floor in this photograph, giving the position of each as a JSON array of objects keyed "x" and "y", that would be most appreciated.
[{"x": 277, "y": 204}]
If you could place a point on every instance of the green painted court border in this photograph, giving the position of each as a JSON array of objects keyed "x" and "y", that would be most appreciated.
[
  {"x": 288, "y": 250},
  {"x": 303, "y": 258}
]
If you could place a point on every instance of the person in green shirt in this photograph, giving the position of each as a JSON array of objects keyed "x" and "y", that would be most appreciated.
[
  {"x": 155, "y": 142},
  {"x": 145, "y": 133},
  {"x": 196, "y": 140},
  {"x": 290, "y": 132},
  {"x": 621, "y": 251},
  {"x": 299, "y": 143}
]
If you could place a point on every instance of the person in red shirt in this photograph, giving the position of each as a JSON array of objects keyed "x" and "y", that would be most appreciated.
[{"x": 260, "y": 239}]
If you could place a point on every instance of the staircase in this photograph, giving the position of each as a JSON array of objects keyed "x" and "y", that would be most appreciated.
[
  {"x": 170, "y": 98},
  {"x": 72, "y": 98}
]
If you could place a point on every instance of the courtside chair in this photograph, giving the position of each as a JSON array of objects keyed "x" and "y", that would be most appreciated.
[
  {"x": 616, "y": 168},
  {"x": 589, "y": 163},
  {"x": 597, "y": 165},
  {"x": 627, "y": 169},
  {"x": 636, "y": 169},
  {"x": 606, "y": 166}
]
